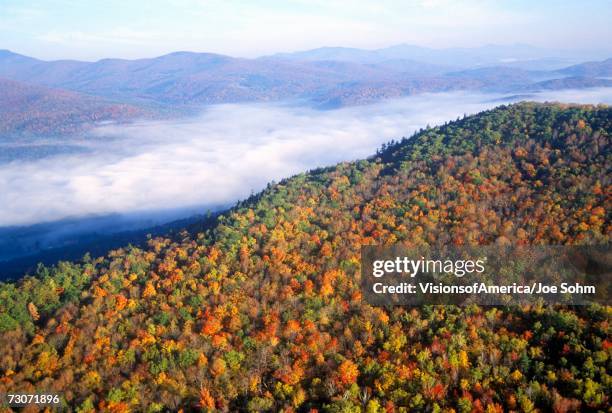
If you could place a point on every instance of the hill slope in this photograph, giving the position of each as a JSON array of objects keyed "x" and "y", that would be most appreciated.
[
  {"x": 263, "y": 311},
  {"x": 35, "y": 110},
  {"x": 591, "y": 69}
]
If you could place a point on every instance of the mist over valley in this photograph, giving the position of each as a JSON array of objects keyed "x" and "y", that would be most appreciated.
[{"x": 93, "y": 149}]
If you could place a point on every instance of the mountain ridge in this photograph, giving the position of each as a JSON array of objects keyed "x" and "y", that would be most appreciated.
[
  {"x": 185, "y": 82},
  {"x": 261, "y": 78}
]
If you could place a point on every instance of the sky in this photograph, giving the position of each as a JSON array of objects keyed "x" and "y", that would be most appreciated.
[{"x": 90, "y": 30}]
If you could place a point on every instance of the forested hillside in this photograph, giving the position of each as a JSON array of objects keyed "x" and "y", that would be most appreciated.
[
  {"x": 29, "y": 110},
  {"x": 262, "y": 312}
]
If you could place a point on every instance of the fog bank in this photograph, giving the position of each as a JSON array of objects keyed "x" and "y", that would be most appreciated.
[{"x": 222, "y": 155}]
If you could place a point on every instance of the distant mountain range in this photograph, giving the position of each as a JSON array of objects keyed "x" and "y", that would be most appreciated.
[
  {"x": 590, "y": 69},
  {"x": 119, "y": 89},
  {"x": 518, "y": 55}
]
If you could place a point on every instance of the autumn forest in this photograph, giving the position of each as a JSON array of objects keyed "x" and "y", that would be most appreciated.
[{"x": 259, "y": 308}]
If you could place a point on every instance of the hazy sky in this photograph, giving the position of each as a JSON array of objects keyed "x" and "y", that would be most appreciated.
[{"x": 88, "y": 29}]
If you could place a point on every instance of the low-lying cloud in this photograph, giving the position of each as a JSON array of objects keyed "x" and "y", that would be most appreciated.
[{"x": 220, "y": 156}]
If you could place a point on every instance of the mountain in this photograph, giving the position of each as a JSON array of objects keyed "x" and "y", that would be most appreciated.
[
  {"x": 380, "y": 69},
  {"x": 366, "y": 92},
  {"x": 522, "y": 56},
  {"x": 497, "y": 74},
  {"x": 263, "y": 311},
  {"x": 590, "y": 69},
  {"x": 572, "y": 82},
  {"x": 27, "y": 110},
  {"x": 178, "y": 78},
  {"x": 327, "y": 77},
  {"x": 18, "y": 67},
  {"x": 509, "y": 79},
  {"x": 498, "y": 79}
]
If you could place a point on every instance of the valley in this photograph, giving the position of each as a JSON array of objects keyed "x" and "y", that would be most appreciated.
[{"x": 112, "y": 183}]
